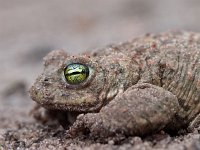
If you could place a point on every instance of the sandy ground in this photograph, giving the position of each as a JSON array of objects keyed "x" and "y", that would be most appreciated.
[{"x": 30, "y": 29}]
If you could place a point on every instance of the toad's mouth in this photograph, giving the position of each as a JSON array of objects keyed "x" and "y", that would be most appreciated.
[
  {"x": 70, "y": 108},
  {"x": 72, "y": 103},
  {"x": 56, "y": 95}
]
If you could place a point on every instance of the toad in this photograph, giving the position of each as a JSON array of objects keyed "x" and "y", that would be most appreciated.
[{"x": 141, "y": 86}]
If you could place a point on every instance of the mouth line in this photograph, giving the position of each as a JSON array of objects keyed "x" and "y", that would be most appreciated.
[{"x": 70, "y": 108}]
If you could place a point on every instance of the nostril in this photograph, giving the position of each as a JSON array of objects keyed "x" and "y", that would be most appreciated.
[{"x": 46, "y": 80}]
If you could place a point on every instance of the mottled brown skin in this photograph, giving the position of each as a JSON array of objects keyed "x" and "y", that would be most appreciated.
[{"x": 137, "y": 87}]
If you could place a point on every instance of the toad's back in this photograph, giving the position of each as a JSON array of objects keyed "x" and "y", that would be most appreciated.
[{"x": 170, "y": 60}]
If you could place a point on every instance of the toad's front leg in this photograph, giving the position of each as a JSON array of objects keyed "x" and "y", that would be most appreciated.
[{"x": 141, "y": 109}]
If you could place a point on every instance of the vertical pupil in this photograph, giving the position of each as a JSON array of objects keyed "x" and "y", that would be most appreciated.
[{"x": 76, "y": 73}]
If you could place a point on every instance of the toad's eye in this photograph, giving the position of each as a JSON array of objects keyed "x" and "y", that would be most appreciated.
[{"x": 76, "y": 73}]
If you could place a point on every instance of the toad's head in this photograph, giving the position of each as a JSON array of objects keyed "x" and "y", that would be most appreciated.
[{"x": 72, "y": 83}]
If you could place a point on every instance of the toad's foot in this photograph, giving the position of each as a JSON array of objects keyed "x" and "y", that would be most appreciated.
[{"x": 141, "y": 109}]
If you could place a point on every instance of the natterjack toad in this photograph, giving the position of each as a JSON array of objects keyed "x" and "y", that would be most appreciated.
[{"x": 134, "y": 88}]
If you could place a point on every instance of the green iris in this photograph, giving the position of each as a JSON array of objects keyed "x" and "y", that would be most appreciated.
[{"x": 76, "y": 73}]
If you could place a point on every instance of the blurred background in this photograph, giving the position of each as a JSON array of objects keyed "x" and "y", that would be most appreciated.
[{"x": 31, "y": 29}]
